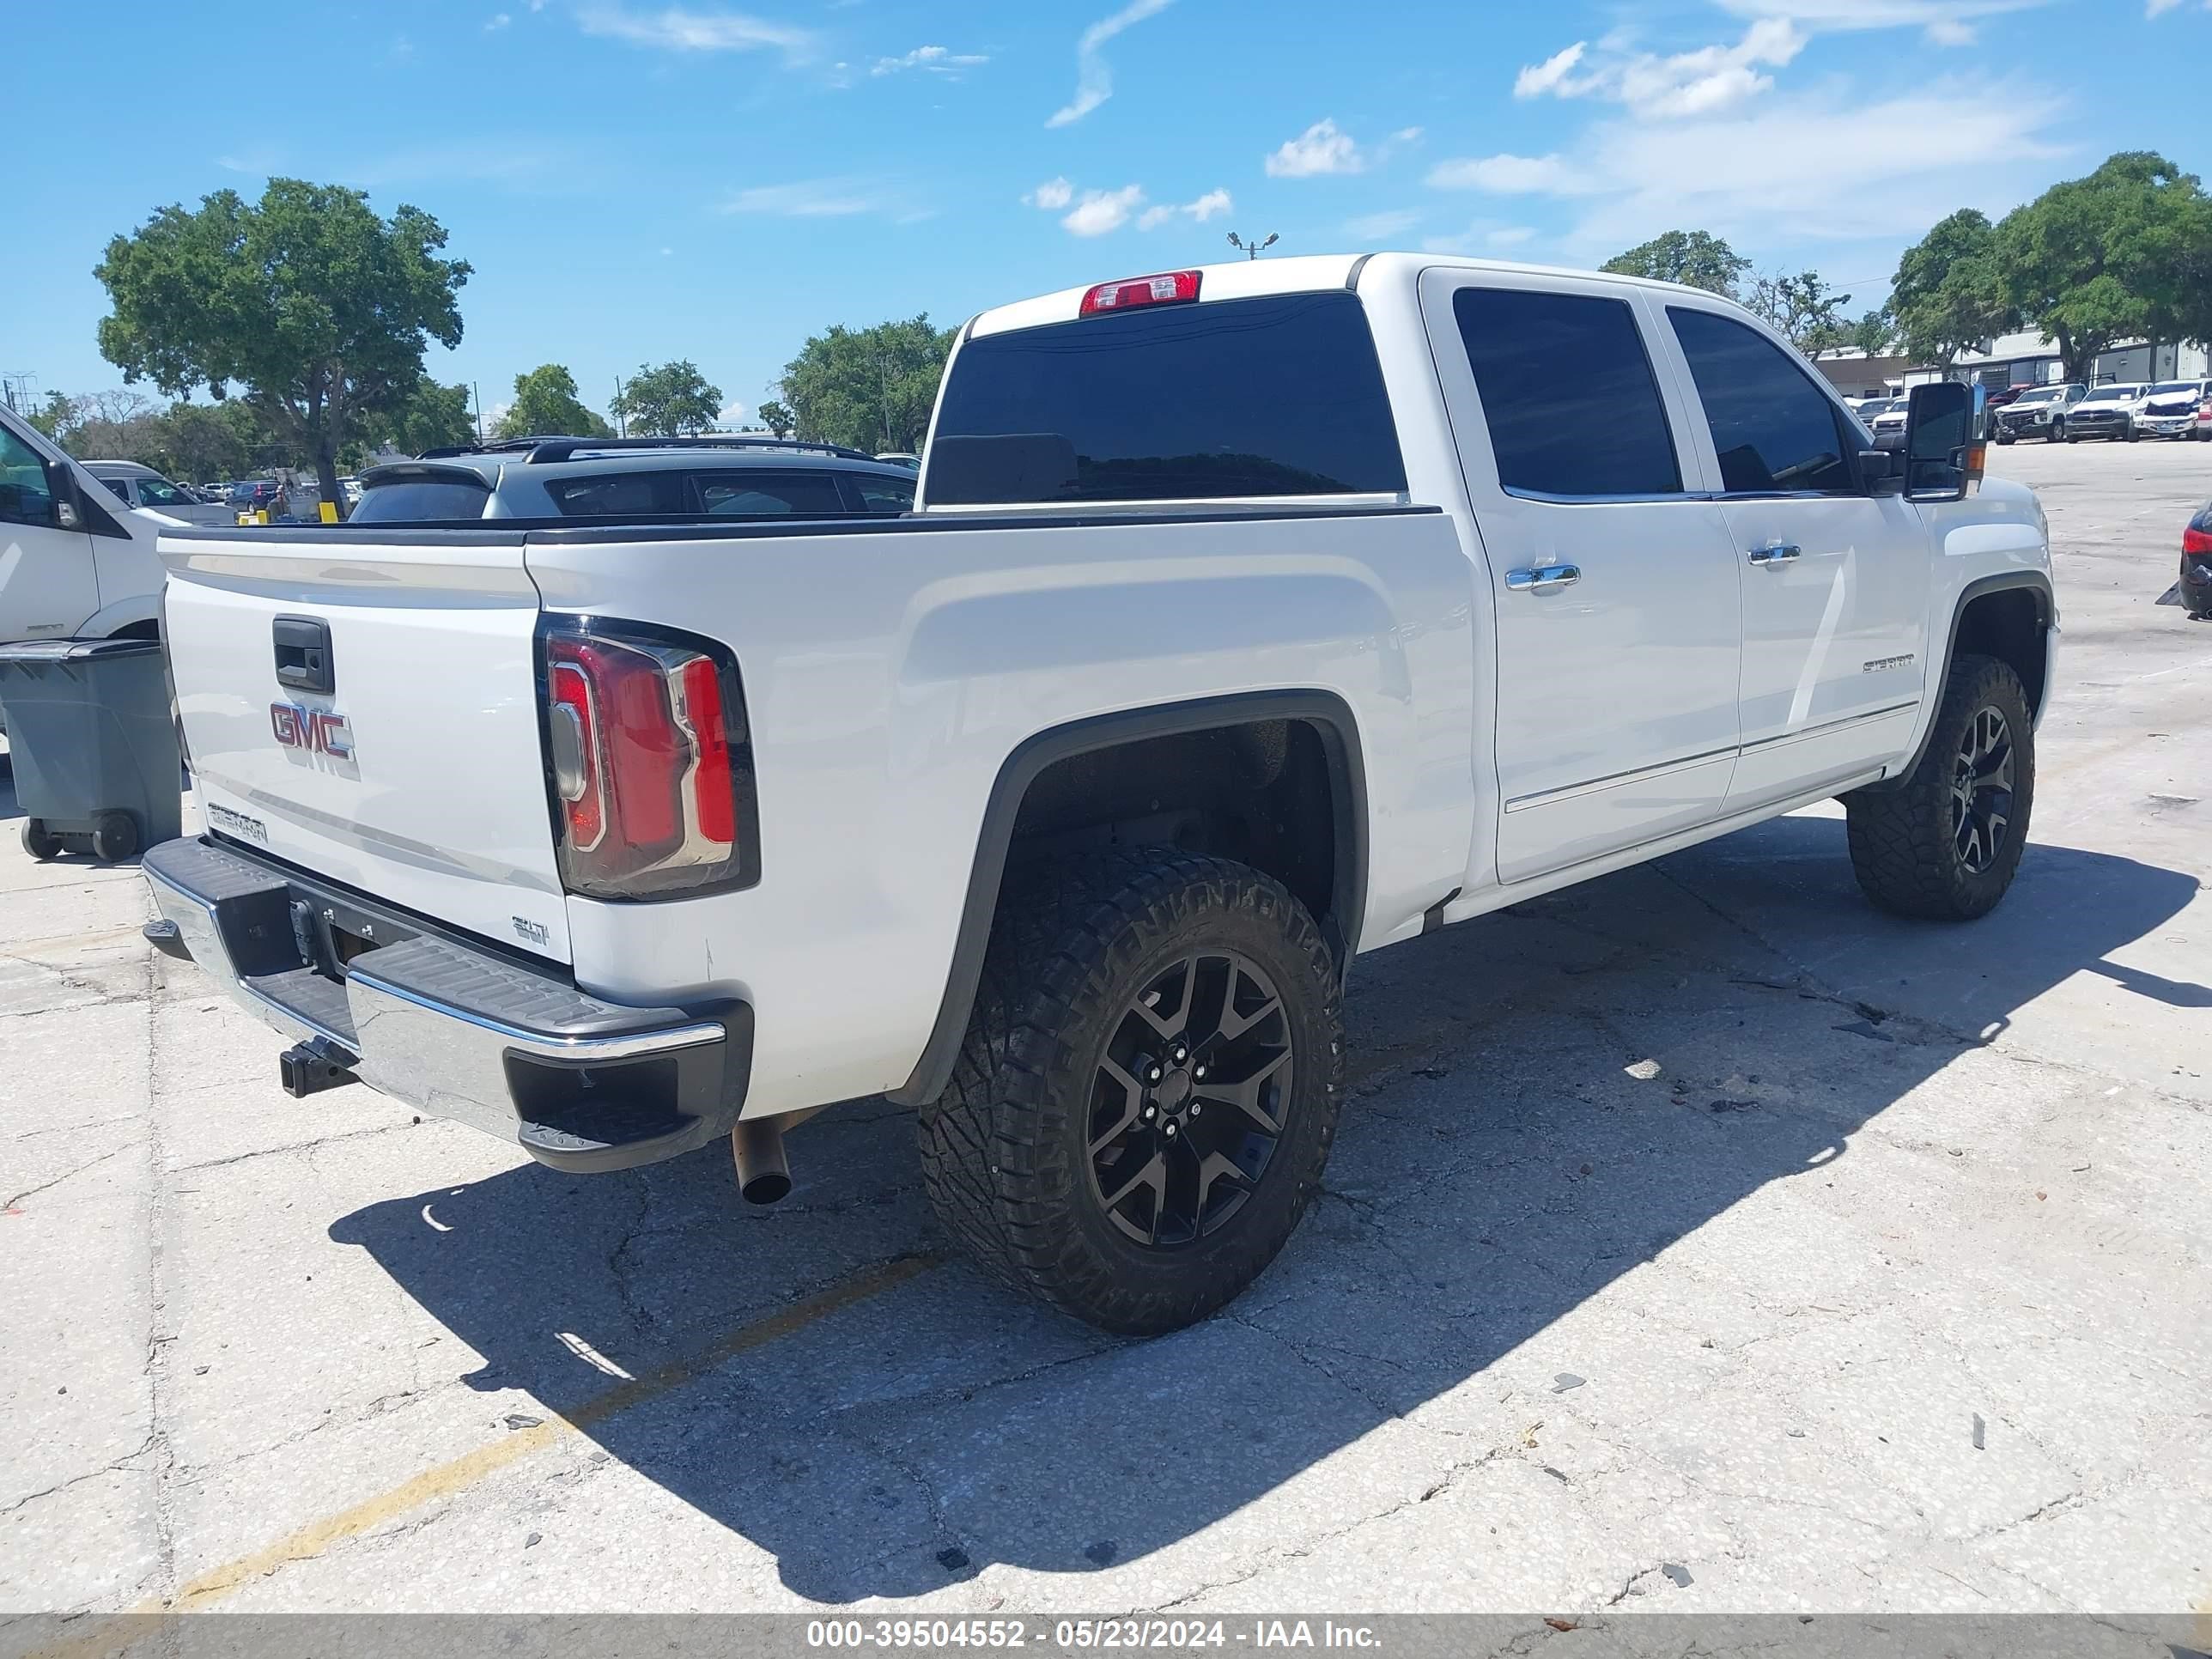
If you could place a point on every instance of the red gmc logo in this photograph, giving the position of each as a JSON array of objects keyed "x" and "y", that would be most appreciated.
[{"x": 312, "y": 730}]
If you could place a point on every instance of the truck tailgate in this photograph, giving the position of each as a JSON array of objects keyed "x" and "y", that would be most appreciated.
[{"x": 408, "y": 761}]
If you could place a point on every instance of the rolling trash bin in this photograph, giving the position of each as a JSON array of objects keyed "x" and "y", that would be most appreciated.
[{"x": 94, "y": 749}]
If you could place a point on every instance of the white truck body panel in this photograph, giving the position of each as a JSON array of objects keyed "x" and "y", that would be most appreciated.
[{"x": 1509, "y": 741}]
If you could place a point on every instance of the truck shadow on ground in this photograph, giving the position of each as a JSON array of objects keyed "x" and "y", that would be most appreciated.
[{"x": 1496, "y": 1167}]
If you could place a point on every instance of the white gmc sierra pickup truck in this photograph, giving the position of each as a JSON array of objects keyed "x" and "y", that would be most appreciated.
[{"x": 1250, "y": 618}]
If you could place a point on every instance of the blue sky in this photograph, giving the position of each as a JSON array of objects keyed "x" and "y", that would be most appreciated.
[{"x": 634, "y": 181}]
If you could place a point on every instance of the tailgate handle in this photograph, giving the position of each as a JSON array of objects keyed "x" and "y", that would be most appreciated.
[{"x": 303, "y": 655}]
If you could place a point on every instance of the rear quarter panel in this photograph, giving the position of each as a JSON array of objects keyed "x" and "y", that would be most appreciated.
[{"x": 889, "y": 675}]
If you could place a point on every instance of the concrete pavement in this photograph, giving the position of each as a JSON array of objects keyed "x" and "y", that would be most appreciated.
[{"x": 1888, "y": 1291}]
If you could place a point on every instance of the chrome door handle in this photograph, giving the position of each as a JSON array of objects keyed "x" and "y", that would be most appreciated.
[
  {"x": 1777, "y": 553},
  {"x": 1543, "y": 578}
]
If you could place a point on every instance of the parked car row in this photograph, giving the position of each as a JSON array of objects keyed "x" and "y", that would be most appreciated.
[{"x": 2124, "y": 411}]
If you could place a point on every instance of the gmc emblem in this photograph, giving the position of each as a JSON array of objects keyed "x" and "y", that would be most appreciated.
[{"x": 314, "y": 730}]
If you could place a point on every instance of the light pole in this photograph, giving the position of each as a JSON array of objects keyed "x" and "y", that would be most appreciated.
[{"x": 1253, "y": 250}]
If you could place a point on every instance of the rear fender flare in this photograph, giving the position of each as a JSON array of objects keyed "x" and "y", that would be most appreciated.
[{"x": 1327, "y": 714}]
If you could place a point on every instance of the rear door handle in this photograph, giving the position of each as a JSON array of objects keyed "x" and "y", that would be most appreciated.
[
  {"x": 1543, "y": 578},
  {"x": 1777, "y": 553}
]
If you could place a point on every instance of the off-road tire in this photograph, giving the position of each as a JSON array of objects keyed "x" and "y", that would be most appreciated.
[
  {"x": 1006, "y": 1150},
  {"x": 1904, "y": 845}
]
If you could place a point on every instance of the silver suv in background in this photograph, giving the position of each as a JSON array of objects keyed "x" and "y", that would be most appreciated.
[
  {"x": 633, "y": 480},
  {"x": 137, "y": 485}
]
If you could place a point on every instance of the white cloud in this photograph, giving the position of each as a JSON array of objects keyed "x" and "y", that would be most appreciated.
[
  {"x": 677, "y": 30},
  {"x": 1212, "y": 205},
  {"x": 1324, "y": 147},
  {"x": 1673, "y": 86},
  {"x": 936, "y": 60},
  {"x": 1101, "y": 210},
  {"x": 500, "y": 20},
  {"x": 1510, "y": 175},
  {"x": 1052, "y": 195},
  {"x": 1914, "y": 158},
  {"x": 818, "y": 198},
  {"x": 1094, "y": 77},
  {"x": 1381, "y": 227},
  {"x": 1537, "y": 79},
  {"x": 734, "y": 414}
]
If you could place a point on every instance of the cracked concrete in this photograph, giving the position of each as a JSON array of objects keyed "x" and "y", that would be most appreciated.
[{"x": 1886, "y": 1292}]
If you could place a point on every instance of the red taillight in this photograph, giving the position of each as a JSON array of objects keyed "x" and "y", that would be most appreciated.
[
  {"x": 2194, "y": 540},
  {"x": 651, "y": 768},
  {"x": 1168, "y": 288}
]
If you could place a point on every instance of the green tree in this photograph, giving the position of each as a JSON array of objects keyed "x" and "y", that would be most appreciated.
[
  {"x": 545, "y": 405},
  {"x": 2124, "y": 253},
  {"x": 1946, "y": 296},
  {"x": 309, "y": 301},
  {"x": 430, "y": 416},
  {"x": 1875, "y": 333},
  {"x": 1809, "y": 313},
  {"x": 668, "y": 402},
  {"x": 778, "y": 419},
  {"x": 207, "y": 442},
  {"x": 56, "y": 416},
  {"x": 1692, "y": 257},
  {"x": 870, "y": 388}
]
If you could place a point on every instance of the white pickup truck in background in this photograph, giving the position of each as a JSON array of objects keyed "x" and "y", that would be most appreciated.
[{"x": 1251, "y": 618}]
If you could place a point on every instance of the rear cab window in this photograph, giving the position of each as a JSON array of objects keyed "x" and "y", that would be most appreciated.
[{"x": 1277, "y": 395}]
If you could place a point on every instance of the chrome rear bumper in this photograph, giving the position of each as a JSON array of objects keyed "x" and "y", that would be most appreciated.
[{"x": 450, "y": 1025}]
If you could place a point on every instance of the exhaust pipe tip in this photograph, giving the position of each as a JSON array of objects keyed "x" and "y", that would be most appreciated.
[{"x": 763, "y": 1174}]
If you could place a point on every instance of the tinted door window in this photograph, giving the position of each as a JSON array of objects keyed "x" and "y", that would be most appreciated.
[
  {"x": 752, "y": 493},
  {"x": 1773, "y": 429},
  {"x": 619, "y": 494},
  {"x": 1568, "y": 392},
  {"x": 1281, "y": 396},
  {"x": 24, "y": 498},
  {"x": 119, "y": 488},
  {"x": 882, "y": 494}
]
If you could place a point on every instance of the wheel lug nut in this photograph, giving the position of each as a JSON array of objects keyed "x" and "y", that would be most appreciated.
[
  {"x": 1151, "y": 1112},
  {"x": 1170, "y": 1132},
  {"x": 1194, "y": 1108},
  {"x": 1200, "y": 1071}
]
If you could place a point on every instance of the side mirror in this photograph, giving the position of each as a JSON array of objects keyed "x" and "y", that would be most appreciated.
[
  {"x": 1943, "y": 440},
  {"x": 61, "y": 488}
]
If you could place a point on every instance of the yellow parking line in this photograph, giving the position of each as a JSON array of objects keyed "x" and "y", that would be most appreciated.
[{"x": 446, "y": 1480}]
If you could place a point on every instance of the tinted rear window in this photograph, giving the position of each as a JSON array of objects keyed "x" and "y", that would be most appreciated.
[
  {"x": 417, "y": 501},
  {"x": 1280, "y": 396},
  {"x": 1568, "y": 393}
]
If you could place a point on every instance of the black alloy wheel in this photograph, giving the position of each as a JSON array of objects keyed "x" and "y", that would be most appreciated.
[
  {"x": 1981, "y": 790},
  {"x": 1189, "y": 1098}
]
